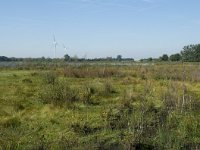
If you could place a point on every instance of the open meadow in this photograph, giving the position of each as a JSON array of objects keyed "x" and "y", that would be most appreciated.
[{"x": 102, "y": 107}]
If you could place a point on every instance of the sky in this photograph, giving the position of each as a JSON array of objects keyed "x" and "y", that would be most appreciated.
[{"x": 98, "y": 28}]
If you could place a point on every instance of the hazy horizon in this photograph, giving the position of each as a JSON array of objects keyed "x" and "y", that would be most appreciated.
[{"x": 98, "y": 28}]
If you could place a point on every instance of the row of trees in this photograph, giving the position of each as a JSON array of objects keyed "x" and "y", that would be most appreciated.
[
  {"x": 4, "y": 58},
  {"x": 173, "y": 57},
  {"x": 66, "y": 58},
  {"x": 164, "y": 57},
  {"x": 118, "y": 58},
  {"x": 190, "y": 53}
]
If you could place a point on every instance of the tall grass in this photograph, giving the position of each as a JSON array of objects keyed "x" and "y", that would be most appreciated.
[{"x": 129, "y": 107}]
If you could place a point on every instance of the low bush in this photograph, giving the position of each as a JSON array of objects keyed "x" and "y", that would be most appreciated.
[
  {"x": 58, "y": 93},
  {"x": 87, "y": 95},
  {"x": 49, "y": 77}
]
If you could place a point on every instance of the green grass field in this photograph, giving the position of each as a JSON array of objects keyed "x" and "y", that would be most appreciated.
[{"x": 100, "y": 107}]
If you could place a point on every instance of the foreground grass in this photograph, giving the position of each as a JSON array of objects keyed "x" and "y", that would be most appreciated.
[{"x": 102, "y": 107}]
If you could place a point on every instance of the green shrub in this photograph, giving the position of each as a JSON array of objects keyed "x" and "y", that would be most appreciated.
[
  {"x": 49, "y": 77},
  {"x": 89, "y": 94},
  {"x": 58, "y": 93}
]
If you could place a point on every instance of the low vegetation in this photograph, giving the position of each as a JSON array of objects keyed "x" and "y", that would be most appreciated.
[{"x": 137, "y": 106}]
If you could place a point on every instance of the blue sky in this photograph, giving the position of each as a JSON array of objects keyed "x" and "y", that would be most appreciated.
[{"x": 98, "y": 28}]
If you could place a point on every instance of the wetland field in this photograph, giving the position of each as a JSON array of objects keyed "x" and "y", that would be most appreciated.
[{"x": 100, "y": 107}]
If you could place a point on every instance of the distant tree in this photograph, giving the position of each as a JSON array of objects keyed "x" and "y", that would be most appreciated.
[
  {"x": 4, "y": 58},
  {"x": 150, "y": 59},
  {"x": 48, "y": 59},
  {"x": 175, "y": 57},
  {"x": 191, "y": 53},
  {"x": 164, "y": 57},
  {"x": 66, "y": 57},
  {"x": 119, "y": 57},
  {"x": 43, "y": 58}
]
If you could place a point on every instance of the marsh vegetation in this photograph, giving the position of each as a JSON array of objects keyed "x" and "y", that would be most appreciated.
[{"x": 151, "y": 106}]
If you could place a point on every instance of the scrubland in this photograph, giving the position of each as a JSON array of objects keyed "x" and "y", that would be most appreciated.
[{"x": 143, "y": 106}]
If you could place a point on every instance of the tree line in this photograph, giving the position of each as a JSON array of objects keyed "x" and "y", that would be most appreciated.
[
  {"x": 190, "y": 53},
  {"x": 66, "y": 58}
]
